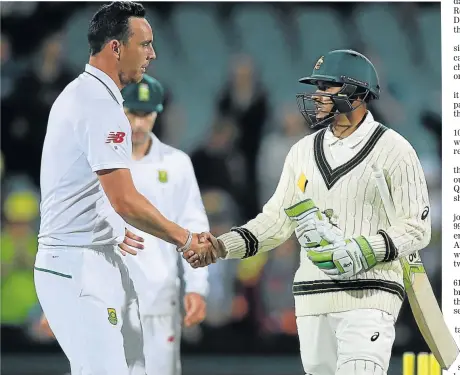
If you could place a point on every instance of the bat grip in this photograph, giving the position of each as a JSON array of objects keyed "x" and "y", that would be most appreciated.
[{"x": 385, "y": 194}]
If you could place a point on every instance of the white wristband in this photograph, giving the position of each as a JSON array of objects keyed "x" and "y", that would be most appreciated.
[{"x": 187, "y": 243}]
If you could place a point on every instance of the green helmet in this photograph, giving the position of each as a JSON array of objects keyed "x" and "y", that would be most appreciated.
[
  {"x": 145, "y": 96},
  {"x": 347, "y": 69}
]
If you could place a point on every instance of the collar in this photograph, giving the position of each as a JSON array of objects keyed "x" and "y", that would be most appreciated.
[
  {"x": 155, "y": 152},
  {"x": 108, "y": 82},
  {"x": 354, "y": 138}
]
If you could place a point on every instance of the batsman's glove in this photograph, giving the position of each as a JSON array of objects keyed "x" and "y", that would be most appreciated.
[
  {"x": 314, "y": 228},
  {"x": 344, "y": 259}
]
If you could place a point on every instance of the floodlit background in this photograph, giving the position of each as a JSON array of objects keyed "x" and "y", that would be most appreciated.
[{"x": 230, "y": 71}]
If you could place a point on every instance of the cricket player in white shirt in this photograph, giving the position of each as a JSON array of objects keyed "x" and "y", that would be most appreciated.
[
  {"x": 88, "y": 194},
  {"x": 165, "y": 176},
  {"x": 348, "y": 289}
]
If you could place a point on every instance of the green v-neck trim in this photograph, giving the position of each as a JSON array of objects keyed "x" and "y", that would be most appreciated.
[{"x": 331, "y": 176}]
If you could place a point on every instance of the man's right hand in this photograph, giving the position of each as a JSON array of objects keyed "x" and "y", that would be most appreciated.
[
  {"x": 130, "y": 243},
  {"x": 202, "y": 256}
]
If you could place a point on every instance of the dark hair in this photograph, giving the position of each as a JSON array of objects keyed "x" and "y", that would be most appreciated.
[{"x": 111, "y": 22}]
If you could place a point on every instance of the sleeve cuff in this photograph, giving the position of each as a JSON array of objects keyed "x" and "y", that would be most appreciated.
[
  {"x": 100, "y": 167},
  {"x": 234, "y": 245},
  {"x": 383, "y": 247}
]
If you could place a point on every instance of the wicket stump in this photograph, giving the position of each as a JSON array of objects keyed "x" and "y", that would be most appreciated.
[{"x": 420, "y": 364}]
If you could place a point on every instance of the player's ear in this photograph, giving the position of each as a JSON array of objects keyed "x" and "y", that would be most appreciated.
[{"x": 115, "y": 47}]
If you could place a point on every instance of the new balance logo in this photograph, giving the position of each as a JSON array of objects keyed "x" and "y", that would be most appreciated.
[{"x": 115, "y": 137}]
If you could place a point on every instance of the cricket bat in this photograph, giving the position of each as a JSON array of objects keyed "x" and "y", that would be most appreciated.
[{"x": 423, "y": 303}]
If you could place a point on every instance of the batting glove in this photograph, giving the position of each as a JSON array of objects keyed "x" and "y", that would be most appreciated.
[
  {"x": 314, "y": 228},
  {"x": 344, "y": 259}
]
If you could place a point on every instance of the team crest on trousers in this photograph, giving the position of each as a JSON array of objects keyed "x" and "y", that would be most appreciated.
[{"x": 112, "y": 316}]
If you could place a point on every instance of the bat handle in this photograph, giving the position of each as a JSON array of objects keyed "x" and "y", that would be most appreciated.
[{"x": 377, "y": 172}]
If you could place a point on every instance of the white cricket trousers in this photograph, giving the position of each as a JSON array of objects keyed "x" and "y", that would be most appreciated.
[
  {"x": 157, "y": 337},
  {"x": 84, "y": 294},
  {"x": 355, "y": 342}
]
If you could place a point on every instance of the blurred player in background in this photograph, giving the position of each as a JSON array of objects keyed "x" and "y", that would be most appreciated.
[
  {"x": 165, "y": 176},
  {"x": 81, "y": 281},
  {"x": 18, "y": 241},
  {"x": 348, "y": 288}
]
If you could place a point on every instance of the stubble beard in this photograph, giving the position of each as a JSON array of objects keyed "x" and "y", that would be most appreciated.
[{"x": 125, "y": 80}]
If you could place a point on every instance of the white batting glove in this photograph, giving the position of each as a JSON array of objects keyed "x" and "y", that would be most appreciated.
[
  {"x": 314, "y": 228},
  {"x": 344, "y": 259}
]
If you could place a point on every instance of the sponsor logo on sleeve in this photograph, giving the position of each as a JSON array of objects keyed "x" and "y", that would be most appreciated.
[{"x": 115, "y": 137}]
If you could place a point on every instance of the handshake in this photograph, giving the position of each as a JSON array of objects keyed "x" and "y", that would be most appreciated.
[{"x": 202, "y": 250}]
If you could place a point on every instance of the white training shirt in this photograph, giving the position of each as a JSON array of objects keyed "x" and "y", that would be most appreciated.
[
  {"x": 87, "y": 131},
  {"x": 165, "y": 176}
]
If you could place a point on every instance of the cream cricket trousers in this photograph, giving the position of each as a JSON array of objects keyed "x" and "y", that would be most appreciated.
[
  {"x": 84, "y": 295},
  {"x": 355, "y": 342}
]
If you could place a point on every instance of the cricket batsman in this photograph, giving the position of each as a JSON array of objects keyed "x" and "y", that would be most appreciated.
[
  {"x": 348, "y": 288},
  {"x": 165, "y": 176},
  {"x": 88, "y": 195}
]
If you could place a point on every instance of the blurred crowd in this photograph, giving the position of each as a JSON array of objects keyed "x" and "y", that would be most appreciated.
[{"x": 238, "y": 158}]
